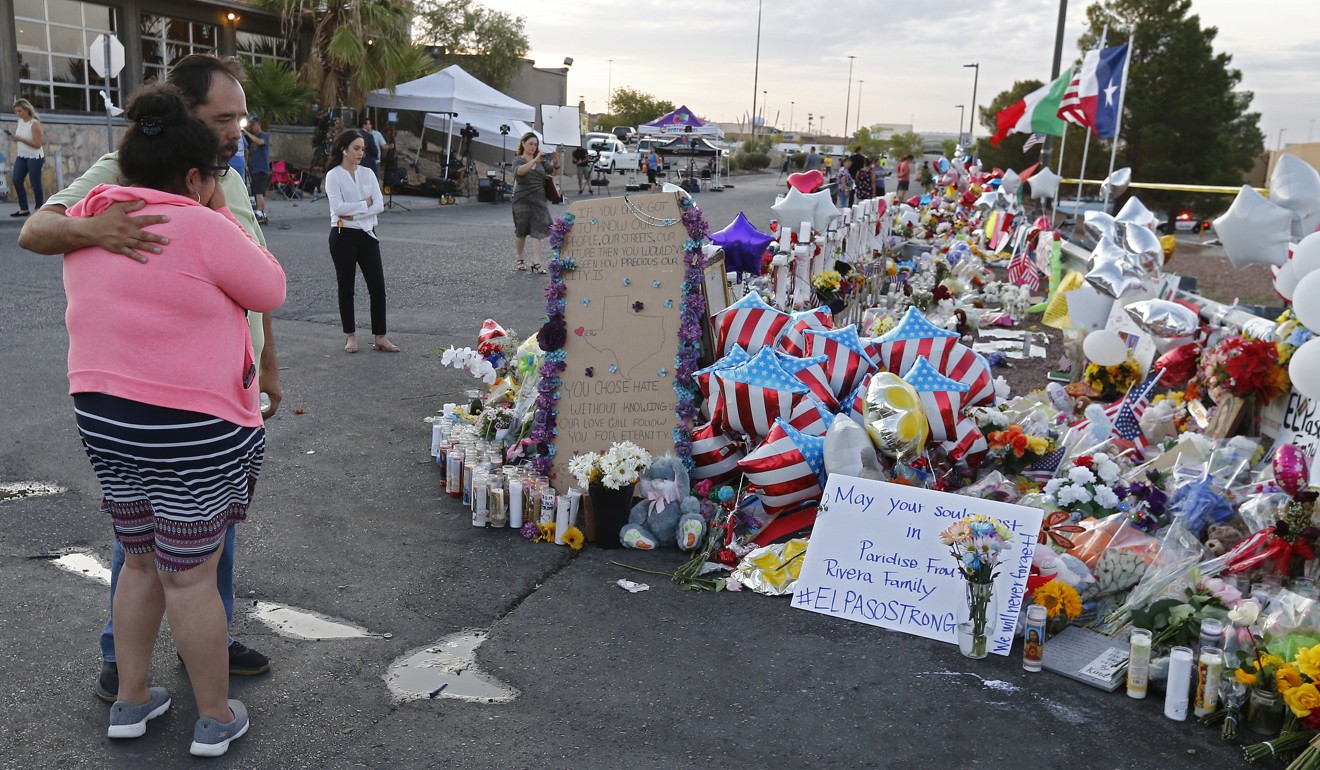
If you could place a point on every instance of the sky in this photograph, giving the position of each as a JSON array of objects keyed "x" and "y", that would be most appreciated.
[{"x": 909, "y": 56}]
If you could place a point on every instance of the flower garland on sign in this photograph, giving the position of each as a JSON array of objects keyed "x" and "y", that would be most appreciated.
[{"x": 554, "y": 333}]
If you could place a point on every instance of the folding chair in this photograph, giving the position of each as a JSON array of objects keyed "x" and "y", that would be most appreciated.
[{"x": 286, "y": 181}]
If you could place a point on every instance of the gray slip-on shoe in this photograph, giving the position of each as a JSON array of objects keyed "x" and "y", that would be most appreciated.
[
  {"x": 212, "y": 738},
  {"x": 128, "y": 720}
]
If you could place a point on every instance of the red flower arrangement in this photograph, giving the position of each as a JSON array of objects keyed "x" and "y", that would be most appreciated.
[{"x": 1245, "y": 368}]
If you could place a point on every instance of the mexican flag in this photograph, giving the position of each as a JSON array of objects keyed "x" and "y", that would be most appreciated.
[{"x": 1037, "y": 113}]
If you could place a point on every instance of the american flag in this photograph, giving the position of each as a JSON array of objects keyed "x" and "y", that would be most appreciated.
[
  {"x": 971, "y": 369},
  {"x": 785, "y": 470},
  {"x": 849, "y": 362},
  {"x": 749, "y": 322},
  {"x": 1127, "y": 427},
  {"x": 1032, "y": 141},
  {"x": 1044, "y": 469},
  {"x": 1070, "y": 108},
  {"x": 1023, "y": 272},
  {"x": 715, "y": 454},
  {"x": 1135, "y": 402}
]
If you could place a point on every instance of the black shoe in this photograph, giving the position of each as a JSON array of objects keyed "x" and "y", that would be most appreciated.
[
  {"x": 20, "y": 213},
  {"x": 244, "y": 661},
  {"x": 107, "y": 685}
]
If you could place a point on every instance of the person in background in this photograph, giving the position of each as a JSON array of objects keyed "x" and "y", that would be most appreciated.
[
  {"x": 29, "y": 157},
  {"x": 829, "y": 167},
  {"x": 213, "y": 91},
  {"x": 582, "y": 162},
  {"x": 355, "y": 200},
  {"x": 904, "y": 175},
  {"x": 864, "y": 179},
  {"x": 858, "y": 160},
  {"x": 845, "y": 184},
  {"x": 814, "y": 162},
  {"x": 258, "y": 162},
  {"x": 879, "y": 170},
  {"x": 455, "y": 171},
  {"x": 531, "y": 209},
  {"x": 238, "y": 160},
  {"x": 162, "y": 375},
  {"x": 652, "y": 167},
  {"x": 371, "y": 148}
]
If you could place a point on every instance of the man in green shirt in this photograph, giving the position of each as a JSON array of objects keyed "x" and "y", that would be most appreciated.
[{"x": 213, "y": 89}]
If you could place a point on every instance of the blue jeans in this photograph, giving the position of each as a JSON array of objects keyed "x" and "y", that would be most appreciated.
[
  {"x": 224, "y": 577},
  {"x": 30, "y": 168}
]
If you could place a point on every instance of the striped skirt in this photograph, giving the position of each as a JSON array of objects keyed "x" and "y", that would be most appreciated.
[{"x": 172, "y": 480}]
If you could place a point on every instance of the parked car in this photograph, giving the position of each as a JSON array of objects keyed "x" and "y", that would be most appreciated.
[
  {"x": 610, "y": 155},
  {"x": 1184, "y": 222},
  {"x": 622, "y": 133}
]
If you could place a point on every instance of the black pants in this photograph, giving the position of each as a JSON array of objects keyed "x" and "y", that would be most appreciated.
[{"x": 350, "y": 249}]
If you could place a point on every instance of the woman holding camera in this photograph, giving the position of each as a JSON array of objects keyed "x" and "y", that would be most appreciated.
[{"x": 531, "y": 209}]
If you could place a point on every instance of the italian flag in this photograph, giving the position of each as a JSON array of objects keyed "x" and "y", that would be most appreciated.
[{"x": 1037, "y": 113}]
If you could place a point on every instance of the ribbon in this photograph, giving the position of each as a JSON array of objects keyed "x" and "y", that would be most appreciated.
[
  {"x": 1273, "y": 548},
  {"x": 662, "y": 495}
]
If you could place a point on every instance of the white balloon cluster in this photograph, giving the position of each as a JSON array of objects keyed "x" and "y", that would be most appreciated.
[
  {"x": 1257, "y": 230},
  {"x": 1127, "y": 251},
  {"x": 1304, "y": 272}
]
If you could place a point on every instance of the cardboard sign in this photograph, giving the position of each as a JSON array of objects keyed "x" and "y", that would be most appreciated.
[
  {"x": 1300, "y": 425},
  {"x": 624, "y": 303},
  {"x": 875, "y": 557}
]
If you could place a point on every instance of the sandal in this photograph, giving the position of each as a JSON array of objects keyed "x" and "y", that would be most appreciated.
[
  {"x": 384, "y": 345},
  {"x": 536, "y": 268},
  {"x": 350, "y": 346},
  {"x": 521, "y": 265}
]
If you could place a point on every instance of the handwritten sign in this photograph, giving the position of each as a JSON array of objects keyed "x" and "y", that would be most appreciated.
[
  {"x": 624, "y": 299},
  {"x": 875, "y": 557},
  {"x": 1299, "y": 424}
]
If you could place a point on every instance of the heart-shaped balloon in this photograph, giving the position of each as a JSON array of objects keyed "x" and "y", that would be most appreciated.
[
  {"x": 1291, "y": 472},
  {"x": 806, "y": 181},
  {"x": 895, "y": 417}
]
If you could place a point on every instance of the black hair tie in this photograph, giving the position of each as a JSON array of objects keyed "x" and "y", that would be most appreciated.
[{"x": 151, "y": 125}]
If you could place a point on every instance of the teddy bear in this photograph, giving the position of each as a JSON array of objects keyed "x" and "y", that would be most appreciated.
[
  {"x": 1221, "y": 539},
  {"x": 668, "y": 514}
]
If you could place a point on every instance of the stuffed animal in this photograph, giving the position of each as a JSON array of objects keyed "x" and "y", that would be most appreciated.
[
  {"x": 668, "y": 514},
  {"x": 1221, "y": 539}
]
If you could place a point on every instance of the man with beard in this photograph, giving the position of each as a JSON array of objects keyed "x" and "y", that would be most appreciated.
[{"x": 213, "y": 90}]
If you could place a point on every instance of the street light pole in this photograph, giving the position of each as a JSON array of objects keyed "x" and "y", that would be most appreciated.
[
  {"x": 1281, "y": 137},
  {"x": 1054, "y": 75},
  {"x": 857, "y": 129},
  {"x": 609, "y": 97},
  {"x": 790, "y": 116},
  {"x": 847, "y": 110},
  {"x": 756, "y": 68},
  {"x": 976, "y": 80},
  {"x": 962, "y": 114}
]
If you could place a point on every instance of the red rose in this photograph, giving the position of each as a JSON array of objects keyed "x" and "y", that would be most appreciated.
[{"x": 1085, "y": 462}]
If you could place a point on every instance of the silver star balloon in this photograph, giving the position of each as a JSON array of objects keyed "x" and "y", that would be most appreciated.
[
  {"x": 1164, "y": 319},
  {"x": 1113, "y": 272},
  {"x": 1099, "y": 224},
  {"x": 1117, "y": 183},
  {"x": 1135, "y": 211},
  {"x": 1143, "y": 244}
]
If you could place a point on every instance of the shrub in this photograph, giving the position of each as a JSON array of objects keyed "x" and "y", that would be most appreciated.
[{"x": 755, "y": 161}]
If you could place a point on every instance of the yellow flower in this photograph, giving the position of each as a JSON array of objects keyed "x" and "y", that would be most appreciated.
[
  {"x": 1038, "y": 444},
  {"x": 1308, "y": 660},
  {"x": 1303, "y": 699},
  {"x": 1058, "y": 597},
  {"x": 1286, "y": 678},
  {"x": 547, "y": 532},
  {"x": 573, "y": 538},
  {"x": 1245, "y": 677}
]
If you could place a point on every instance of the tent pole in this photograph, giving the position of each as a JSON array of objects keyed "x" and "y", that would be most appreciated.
[{"x": 449, "y": 140}]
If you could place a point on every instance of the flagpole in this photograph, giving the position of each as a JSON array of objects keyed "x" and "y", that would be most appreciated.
[
  {"x": 1086, "y": 151},
  {"x": 1063, "y": 145},
  {"x": 1118, "y": 124}
]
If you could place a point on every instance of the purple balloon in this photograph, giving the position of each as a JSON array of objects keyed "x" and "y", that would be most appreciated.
[{"x": 743, "y": 245}]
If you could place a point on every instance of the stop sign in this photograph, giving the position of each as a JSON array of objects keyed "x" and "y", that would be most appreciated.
[{"x": 96, "y": 55}]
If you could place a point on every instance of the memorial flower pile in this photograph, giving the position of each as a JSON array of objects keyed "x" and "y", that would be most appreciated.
[
  {"x": 1086, "y": 488},
  {"x": 1245, "y": 368}
]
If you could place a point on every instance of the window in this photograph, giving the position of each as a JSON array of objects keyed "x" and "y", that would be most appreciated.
[
  {"x": 53, "y": 36},
  {"x": 255, "y": 49},
  {"x": 165, "y": 40}
]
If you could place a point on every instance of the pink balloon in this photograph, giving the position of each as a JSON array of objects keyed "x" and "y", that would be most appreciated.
[
  {"x": 1290, "y": 469},
  {"x": 806, "y": 181}
]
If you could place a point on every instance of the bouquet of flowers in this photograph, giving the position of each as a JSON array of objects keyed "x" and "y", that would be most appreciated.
[
  {"x": 1112, "y": 381},
  {"x": 1289, "y": 335},
  {"x": 1018, "y": 446},
  {"x": 472, "y": 361},
  {"x": 619, "y": 466},
  {"x": 1244, "y": 368},
  {"x": 495, "y": 422},
  {"x": 977, "y": 544},
  {"x": 1059, "y": 600},
  {"x": 1087, "y": 488},
  {"x": 826, "y": 284}
]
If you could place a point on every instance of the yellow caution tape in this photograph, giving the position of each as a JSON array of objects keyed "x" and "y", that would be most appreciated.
[{"x": 1195, "y": 188}]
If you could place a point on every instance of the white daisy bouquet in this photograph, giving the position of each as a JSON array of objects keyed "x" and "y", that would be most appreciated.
[
  {"x": 619, "y": 466},
  {"x": 1086, "y": 488}
]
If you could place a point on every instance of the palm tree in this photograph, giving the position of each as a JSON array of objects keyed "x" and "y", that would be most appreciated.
[
  {"x": 357, "y": 46},
  {"x": 274, "y": 93}
]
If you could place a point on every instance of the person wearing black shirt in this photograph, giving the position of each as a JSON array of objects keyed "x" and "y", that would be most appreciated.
[{"x": 582, "y": 161}]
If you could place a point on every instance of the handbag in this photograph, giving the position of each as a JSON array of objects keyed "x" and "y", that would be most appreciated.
[{"x": 552, "y": 191}]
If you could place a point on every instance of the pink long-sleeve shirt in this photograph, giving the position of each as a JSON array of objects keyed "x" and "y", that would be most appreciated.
[{"x": 171, "y": 332}]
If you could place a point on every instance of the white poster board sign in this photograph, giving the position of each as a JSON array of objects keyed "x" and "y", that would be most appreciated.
[
  {"x": 875, "y": 557},
  {"x": 560, "y": 125},
  {"x": 1300, "y": 425}
]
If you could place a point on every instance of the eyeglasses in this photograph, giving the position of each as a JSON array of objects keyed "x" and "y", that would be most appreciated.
[{"x": 221, "y": 171}]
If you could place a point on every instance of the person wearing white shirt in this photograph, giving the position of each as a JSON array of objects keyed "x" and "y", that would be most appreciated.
[{"x": 355, "y": 200}]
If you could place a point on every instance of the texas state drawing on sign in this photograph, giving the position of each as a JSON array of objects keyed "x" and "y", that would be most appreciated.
[{"x": 634, "y": 338}]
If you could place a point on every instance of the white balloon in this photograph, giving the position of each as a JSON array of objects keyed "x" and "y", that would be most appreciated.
[
  {"x": 1306, "y": 301},
  {"x": 1044, "y": 184},
  {"x": 848, "y": 449},
  {"x": 1306, "y": 256},
  {"x": 825, "y": 212},
  {"x": 794, "y": 208},
  {"x": 1285, "y": 280},
  {"x": 1105, "y": 348},
  {"x": 1010, "y": 182},
  {"x": 1295, "y": 185},
  {"x": 1304, "y": 369},
  {"x": 1254, "y": 231}
]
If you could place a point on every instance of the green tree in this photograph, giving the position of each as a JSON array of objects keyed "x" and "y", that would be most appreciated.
[
  {"x": 1185, "y": 118},
  {"x": 872, "y": 147},
  {"x": 948, "y": 147},
  {"x": 274, "y": 93},
  {"x": 490, "y": 45},
  {"x": 356, "y": 46},
  {"x": 906, "y": 143},
  {"x": 630, "y": 107}
]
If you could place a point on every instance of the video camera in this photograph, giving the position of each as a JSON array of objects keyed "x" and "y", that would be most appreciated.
[{"x": 469, "y": 132}]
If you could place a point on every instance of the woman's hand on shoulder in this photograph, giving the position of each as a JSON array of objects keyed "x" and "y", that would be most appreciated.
[{"x": 217, "y": 200}]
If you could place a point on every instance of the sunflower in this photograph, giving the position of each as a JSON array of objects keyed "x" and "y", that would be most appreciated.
[
  {"x": 1058, "y": 597},
  {"x": 573, "y": 538},
  {"x": 547, "y": 532}
]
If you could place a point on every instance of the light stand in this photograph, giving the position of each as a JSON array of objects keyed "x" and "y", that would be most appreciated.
[
  {"x": 390, "y": 205},
  {"x": 504, "y": 161}
]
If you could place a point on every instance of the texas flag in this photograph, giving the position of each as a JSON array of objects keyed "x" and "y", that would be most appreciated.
[{"x": 1093, "y": 97}]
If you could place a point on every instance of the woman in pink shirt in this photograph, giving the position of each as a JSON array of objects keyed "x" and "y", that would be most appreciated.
[{"x": 162, "y": 374}]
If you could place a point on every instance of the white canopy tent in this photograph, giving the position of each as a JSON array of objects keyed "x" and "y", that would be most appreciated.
[
  {"x": 487, "y": 133},
  {"x": 455, "y": 97}
]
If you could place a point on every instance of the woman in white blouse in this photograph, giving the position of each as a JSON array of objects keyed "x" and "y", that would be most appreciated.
[
  {"x": 355, "y": 200},
  {"x": 30, "y": 156}
]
